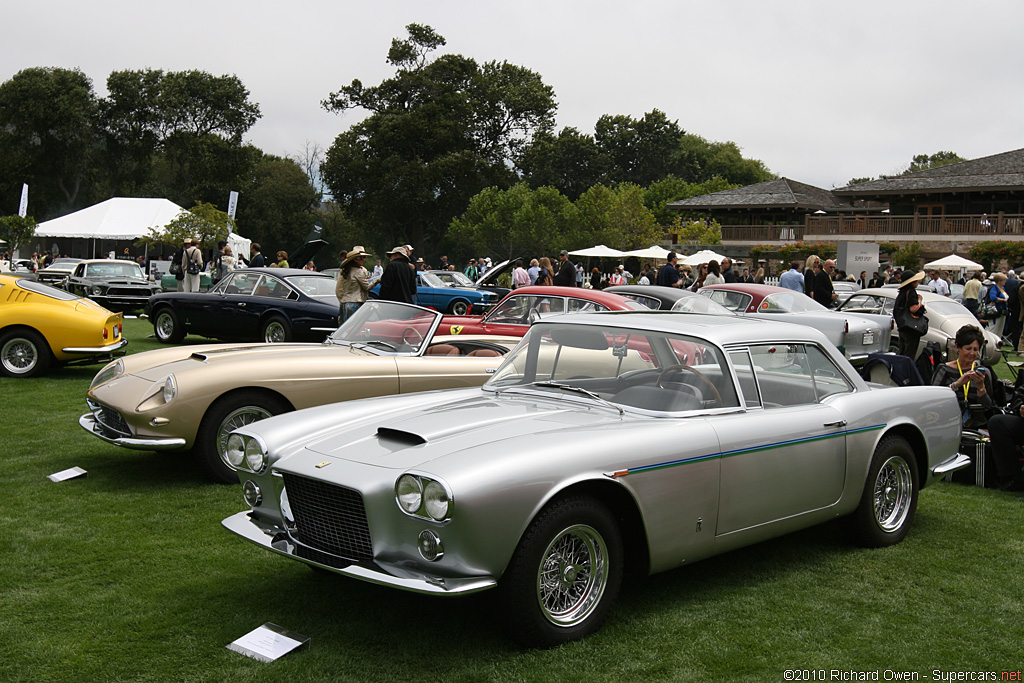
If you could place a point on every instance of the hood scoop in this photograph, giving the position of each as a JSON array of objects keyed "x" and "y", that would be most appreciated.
[{"x": 401, "y": 436}]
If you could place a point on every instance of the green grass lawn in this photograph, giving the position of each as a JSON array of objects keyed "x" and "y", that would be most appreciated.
[{"x": 127, "y": 575}]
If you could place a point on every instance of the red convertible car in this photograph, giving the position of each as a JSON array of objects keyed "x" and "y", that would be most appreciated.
[{"x": 516, "y": 312}]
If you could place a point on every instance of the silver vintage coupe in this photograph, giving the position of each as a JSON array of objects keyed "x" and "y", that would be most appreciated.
[{"x": 605, "y": 443}]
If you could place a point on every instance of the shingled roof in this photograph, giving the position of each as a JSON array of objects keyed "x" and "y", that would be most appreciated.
[
  {"x": 997, "y": 172},
  {"x": 781, "y": 193}
]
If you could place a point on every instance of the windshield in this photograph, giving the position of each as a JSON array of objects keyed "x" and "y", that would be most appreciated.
[
  {"x": 700, "y": 304},
  {"x": 388, "y": 327},
  {"x": 948, "y": 307},
  {"x": 112, "y": 269},
  {"x": 453, "y": 278},
  {"x": 431, "y": 280},
  {"x": 789, "y": 302},
  {"x": 658, "y": 372},
  {"x": 316, "y": 286}
]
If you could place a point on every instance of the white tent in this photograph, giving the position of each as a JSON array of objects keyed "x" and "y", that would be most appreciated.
[
  {"x": 120, "y": 218},
  {"x": 654, "y": 252},
  {"x": 704, "y": 256},
  {"x": 953, "y": 262},
  {"x": 600, "y": 251}
]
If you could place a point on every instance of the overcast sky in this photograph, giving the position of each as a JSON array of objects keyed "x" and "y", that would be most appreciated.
[{"x": 820, "y": 91}]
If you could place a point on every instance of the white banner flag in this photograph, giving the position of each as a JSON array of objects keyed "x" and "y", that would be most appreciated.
[
  {"x": 232, "y": 205},
  {"x": 23, "y": 207}
]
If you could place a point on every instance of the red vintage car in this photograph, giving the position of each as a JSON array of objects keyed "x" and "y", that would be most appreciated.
[{"x": 516, "y": 312}]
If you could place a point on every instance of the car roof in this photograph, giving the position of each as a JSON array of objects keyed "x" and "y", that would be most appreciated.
[
  {"x": 595, "y": 295},
  {"x": 747, "y": 288},
  {"x": 653, "y": 291},
  {"x": 283, "y": 272},
  {"x": 716, "y": 328}
]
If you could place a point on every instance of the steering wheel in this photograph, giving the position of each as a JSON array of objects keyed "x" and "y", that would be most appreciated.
[
  {"x": 698, "y": 373},
  {"x": 405, "y": 334}
]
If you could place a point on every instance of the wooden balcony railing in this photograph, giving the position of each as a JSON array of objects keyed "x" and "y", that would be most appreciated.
[{"x": 850, "y": 226}]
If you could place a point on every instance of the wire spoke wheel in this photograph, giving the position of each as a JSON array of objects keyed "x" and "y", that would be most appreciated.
[
  {"x": 573, "y": 575},
  {"x": 19, "y": 356},
  {"x": 893, "y": 492}
]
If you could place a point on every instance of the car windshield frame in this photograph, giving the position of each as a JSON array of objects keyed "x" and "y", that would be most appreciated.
[
  {"x": 363, "y": 329},
  {"x": 123, "y": 266},
  {"x": 789, "y": 302},
  {"x": 654, "y": 372},
  {"x": 459, "y": 279}
]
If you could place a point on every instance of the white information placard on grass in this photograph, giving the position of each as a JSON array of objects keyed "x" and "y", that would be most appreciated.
[
  {"x": 268, "y": 642},
  {"x": 64, "y": 475}
]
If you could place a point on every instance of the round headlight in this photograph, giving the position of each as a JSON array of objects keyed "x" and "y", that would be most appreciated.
[
  {"x": 235, "y": 451},
  {"x": 96, "y": 289},
  {"x": 435, "y": 501},
  {"x": 409, "y": 493},
  {"x": 254, "y": 456},
  {"x": 251, "y": 492},
  {"x": 170, "y": 389},
  {"x": 111, "y": 371}
]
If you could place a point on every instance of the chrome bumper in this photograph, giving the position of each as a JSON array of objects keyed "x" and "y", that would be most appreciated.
[
  {"x": 957, "y": 462},
  {"x": 89, "y": 423},
  {"x": 97, "y": 349},
  {"x": 274, "y": 539}
]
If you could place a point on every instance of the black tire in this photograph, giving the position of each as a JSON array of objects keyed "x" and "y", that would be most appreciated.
[
  {"x": 23, "y": 353},
  {"x": 458, "y": 307},
  {"x": 889, "y": 502},
  {"x": 275, "y": 330},
  {"x": 546, "y": 600},
  {"x": 226, "y": 414},
  {"x": 167, "y": 326}
]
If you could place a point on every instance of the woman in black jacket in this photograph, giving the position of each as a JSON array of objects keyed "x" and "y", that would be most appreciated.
[{"x": 909, "y": 314}]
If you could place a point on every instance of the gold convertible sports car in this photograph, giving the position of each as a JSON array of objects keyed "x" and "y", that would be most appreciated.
[
  {"x": 41, "y": 326},
  {"x": 194, "y": 396}
]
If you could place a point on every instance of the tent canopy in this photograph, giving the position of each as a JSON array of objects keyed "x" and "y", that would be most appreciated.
[
  {"x": 704, "y": 256},
  {"x": 115, "y": 219},
  {"x": 953, "y": 262},
  {"x": 600, "y": 251},
  {"x": 653, "y": 252}
]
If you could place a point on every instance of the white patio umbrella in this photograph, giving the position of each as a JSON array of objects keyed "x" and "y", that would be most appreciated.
[
  {"x": 703, "y": 256},
  {"x": 653, "y": 252},
  {"x": 600, "y": 251},
  {"x": 953, "y": 262}
]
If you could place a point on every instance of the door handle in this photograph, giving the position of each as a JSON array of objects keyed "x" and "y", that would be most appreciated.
[{"x": 840, "y": 423}]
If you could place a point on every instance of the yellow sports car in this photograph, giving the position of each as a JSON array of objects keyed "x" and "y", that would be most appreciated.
[{"x": 41, "y": 326}]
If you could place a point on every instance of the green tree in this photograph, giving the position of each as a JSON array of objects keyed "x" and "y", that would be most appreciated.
[
  {"x": 16, "y": 231},
  {"x": 643, "y": 150},
  {"x": 438, "y": 133},
  {"x": 616, "y": 217},
  {"x": 133, "y": 127},
  {"x": 908, "y": 256},
  {"x": 723, "y": 160},
  {"x": 203, "y": 222},
  {"x": 922, "y": 162},
  {"x": 569, "y": 162},
  {"x": 696, "y": 231},
  {"x": 279, "y": 207},
  {"x": 48, "y": 136},
  {"x": 519, "y": 221}
]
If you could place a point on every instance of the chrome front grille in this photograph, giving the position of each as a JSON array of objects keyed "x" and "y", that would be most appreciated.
[
  {"x": 329, "y": 518},
  {"x": 108, "y": 418}
]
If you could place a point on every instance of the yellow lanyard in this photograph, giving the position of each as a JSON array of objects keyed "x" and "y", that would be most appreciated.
[{"x": 966, "y": 386}]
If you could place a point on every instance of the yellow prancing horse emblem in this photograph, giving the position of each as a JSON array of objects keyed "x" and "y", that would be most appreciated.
[
  {"x": 456, "y": 329},
  {"x": 325, "y": 463}
]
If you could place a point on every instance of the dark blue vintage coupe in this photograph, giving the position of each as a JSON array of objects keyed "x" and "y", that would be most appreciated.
[{"x": 253, "y": 304}]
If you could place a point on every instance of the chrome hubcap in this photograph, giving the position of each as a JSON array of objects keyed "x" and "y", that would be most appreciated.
[
  {"x": 164, "y": 326},
  {"x": 573, "y": 575},
  {"x": 893, "y": 492},
  {"x": 19, "y": 356},
  {"x": 274, "y": 333}
]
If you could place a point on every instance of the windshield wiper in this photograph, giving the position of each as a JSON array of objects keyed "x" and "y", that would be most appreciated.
[{"x": 578, "y": 390}]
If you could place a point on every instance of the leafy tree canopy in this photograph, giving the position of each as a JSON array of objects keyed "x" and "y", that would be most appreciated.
[
  {"x": 920, "y": 162},
  {"x": 16, "y": 231},
  {"x": 438, "y": 133},
  {"x": 203, "y": 222},
  {"x": 617, "y": 217}
]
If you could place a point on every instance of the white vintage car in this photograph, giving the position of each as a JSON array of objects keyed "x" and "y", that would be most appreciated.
[{"x": 605, "y": 443}]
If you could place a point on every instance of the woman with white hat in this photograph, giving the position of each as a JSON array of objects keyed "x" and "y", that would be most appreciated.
[
  {"x": 909, "y": 313},
  {"x": 353, "y": 283}
]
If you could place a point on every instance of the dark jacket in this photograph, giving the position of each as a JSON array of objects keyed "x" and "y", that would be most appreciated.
[
  {"x": 398, "y": 283},
  {"x": 566, "y": 276}
]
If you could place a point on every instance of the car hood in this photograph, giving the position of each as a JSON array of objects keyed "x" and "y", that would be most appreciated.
[
  {"x": 154, "y": 365},
  {"x": 398, "y": 433}
]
